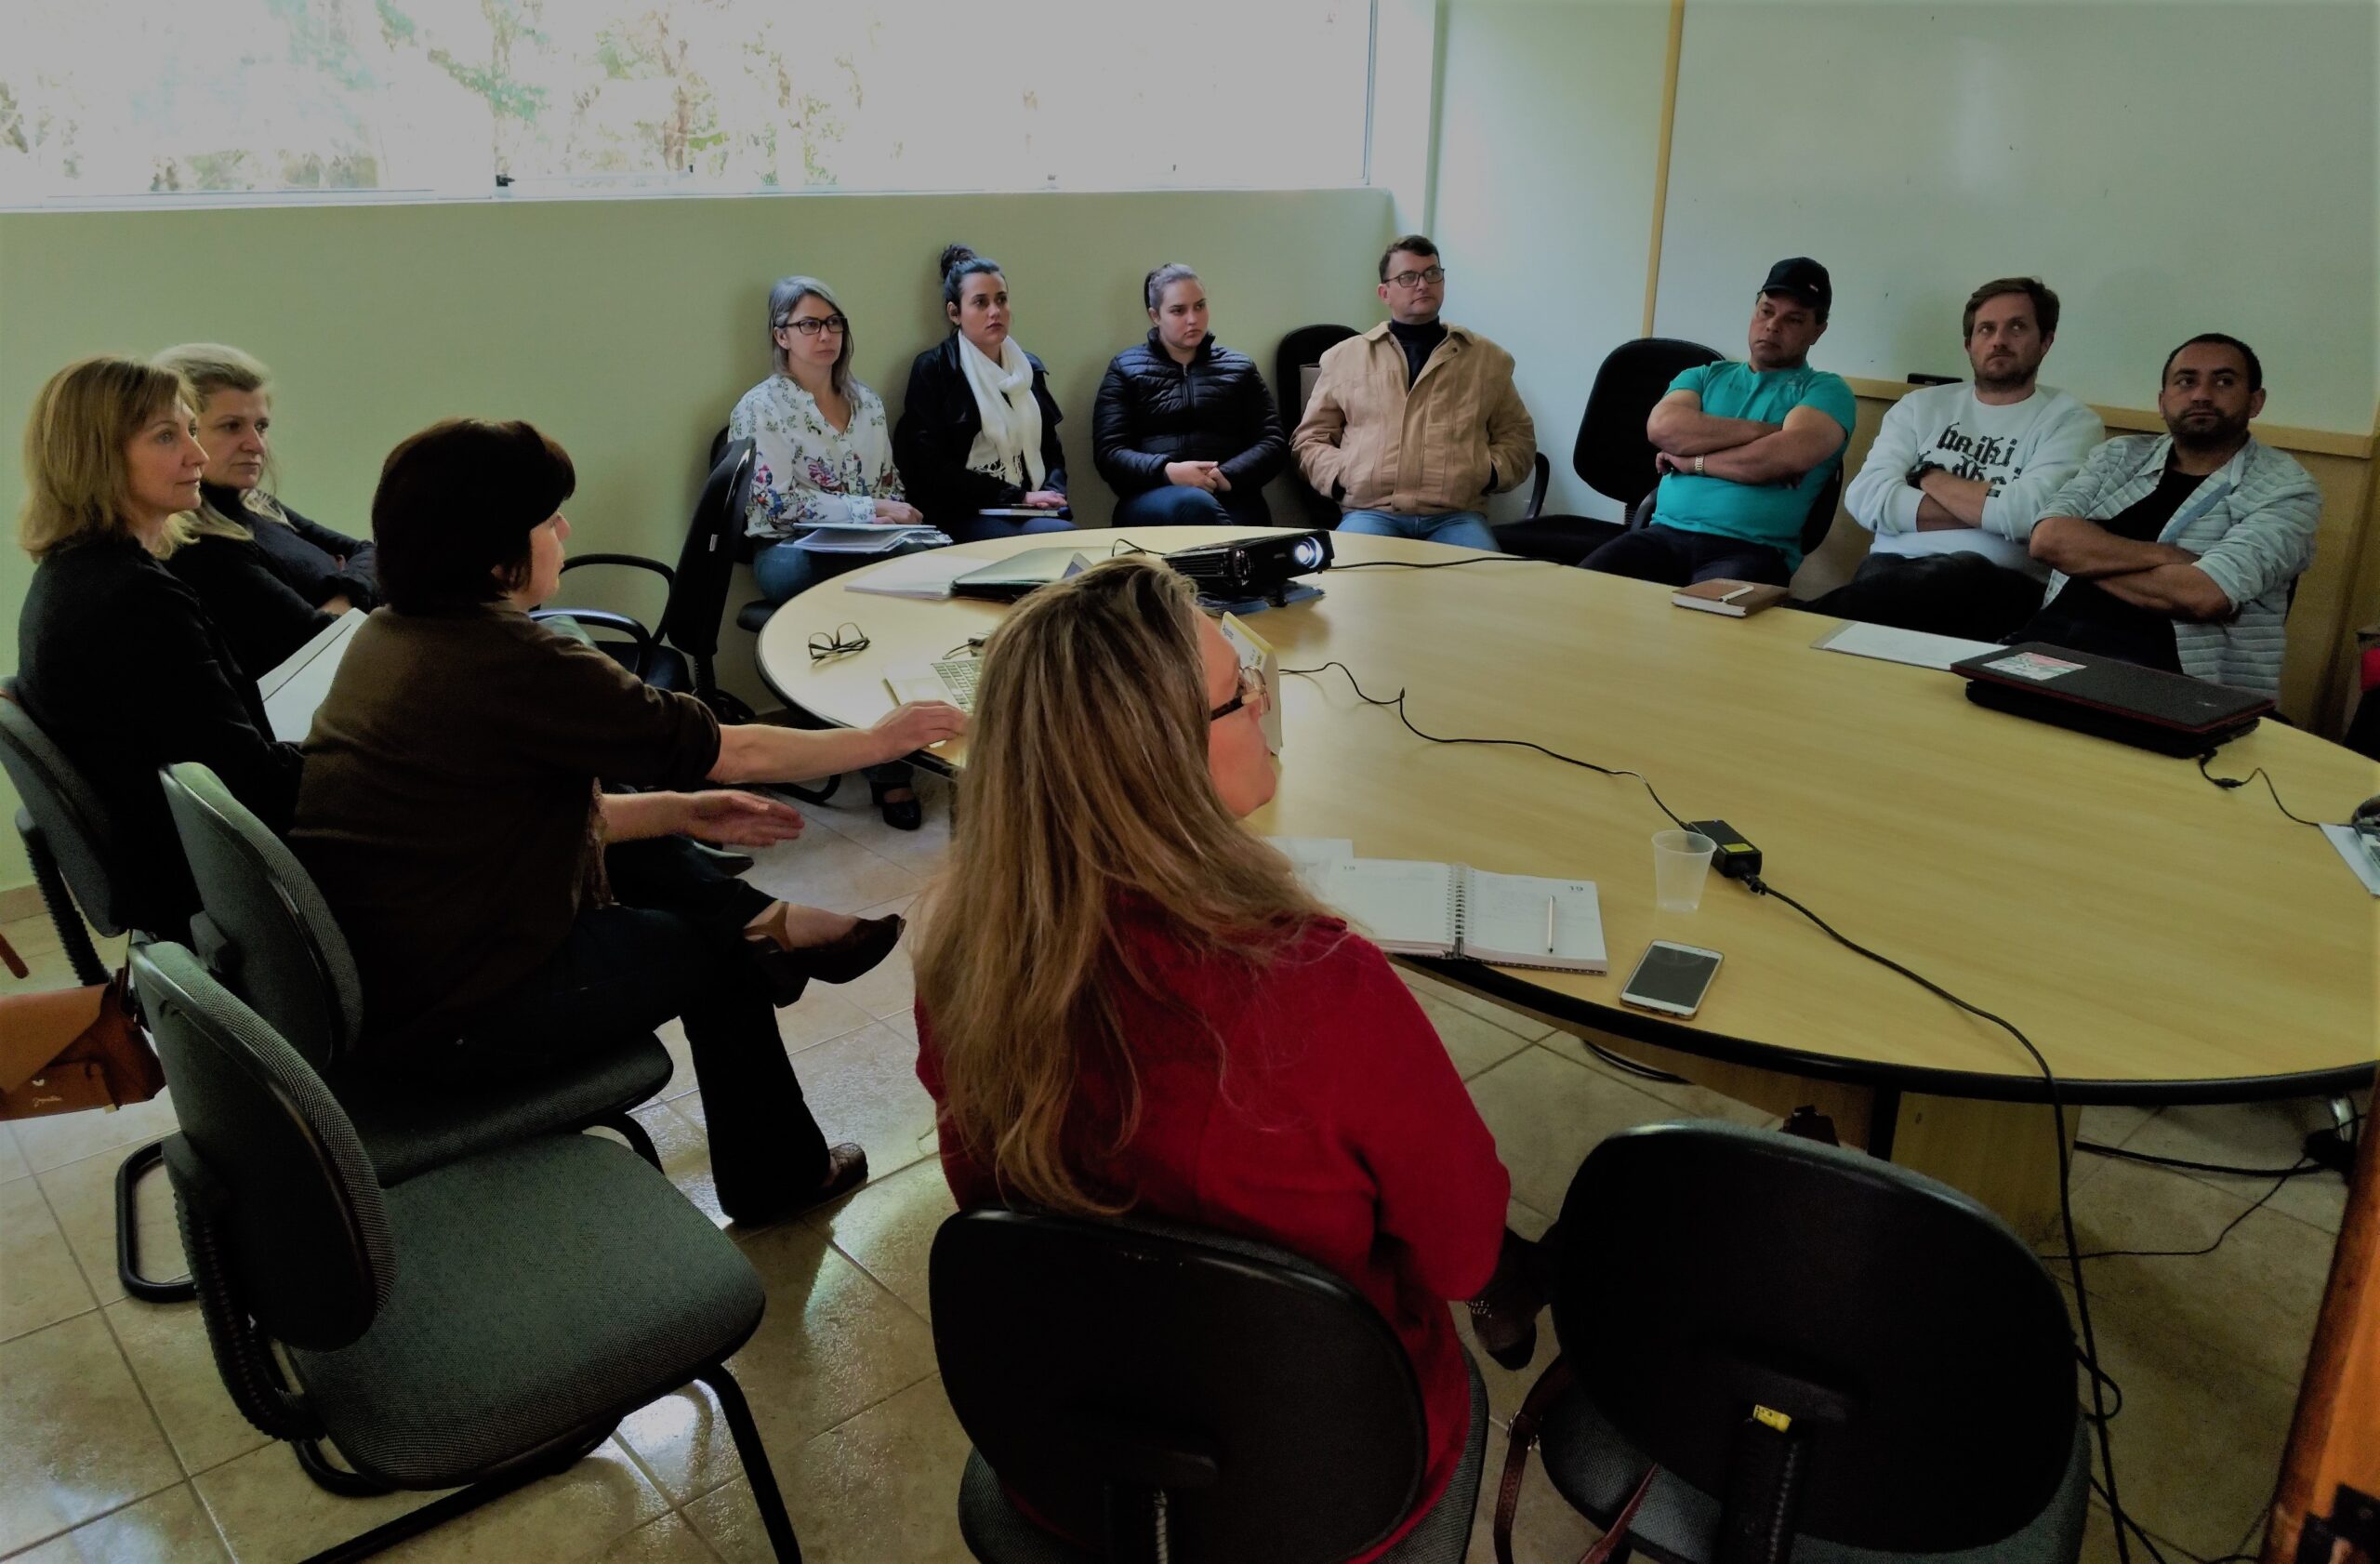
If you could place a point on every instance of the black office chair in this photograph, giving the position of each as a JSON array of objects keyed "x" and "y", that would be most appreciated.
[
  {"x": 1165, "y": 1392},
  {"x": 1294, "y": 365},
  {"x": 1611, "y": 455},
  {"x": 78, "y": 868},
  {"x": 479, "y": 1327},
  {"x": 1816, "y": 521},
  {"x": 267, "y": 935},
  {"x": 1830, "y": 1359},
  {"x": 679, "y": 653}
]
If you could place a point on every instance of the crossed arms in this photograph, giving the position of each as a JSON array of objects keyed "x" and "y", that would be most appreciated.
[
  {"x": 2154, "y": 576},
  {"x": 1740, "y": 450}
]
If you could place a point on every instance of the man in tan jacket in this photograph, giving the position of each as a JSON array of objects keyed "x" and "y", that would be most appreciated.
[{"x": 1415, "y": 423}]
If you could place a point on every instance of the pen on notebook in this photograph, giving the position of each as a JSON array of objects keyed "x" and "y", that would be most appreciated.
[
  {"x": 1730, "y": 597},
  {"x": 1549, "y": 925}
]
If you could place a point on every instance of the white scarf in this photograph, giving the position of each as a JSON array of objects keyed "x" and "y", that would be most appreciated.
[{"x": 1009, "y": 442}]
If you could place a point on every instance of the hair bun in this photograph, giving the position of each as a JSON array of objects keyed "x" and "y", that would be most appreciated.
[{"x": 954, "y": 255}]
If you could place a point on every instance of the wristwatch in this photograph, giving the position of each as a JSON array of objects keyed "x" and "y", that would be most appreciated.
[
  {"x": 1698, "y": 468},
  {"x": 1916, "y": 478}
]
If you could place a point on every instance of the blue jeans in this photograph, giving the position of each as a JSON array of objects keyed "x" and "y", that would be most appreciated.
[
  {"x": 786, "y": 569},
  {"x": 1180, "y": 505},
  {"x": 1464, "y": 529},
  {"x": 980, "y": 529}
]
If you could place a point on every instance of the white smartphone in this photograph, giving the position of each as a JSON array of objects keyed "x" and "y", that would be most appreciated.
[{"x": 1671, "y": 978}]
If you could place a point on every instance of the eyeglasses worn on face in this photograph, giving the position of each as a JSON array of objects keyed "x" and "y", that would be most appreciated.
[
  {"x": 1415, "y": 279},
  {"x": 1251, "y": 692},
  {"x": 811, "y": 325}
]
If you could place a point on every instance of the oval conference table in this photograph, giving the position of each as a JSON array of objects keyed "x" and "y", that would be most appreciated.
[{"x": 2158, "y": 939}]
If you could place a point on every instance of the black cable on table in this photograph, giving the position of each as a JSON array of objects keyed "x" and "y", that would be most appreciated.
[{"x": 2230, "y": 782}]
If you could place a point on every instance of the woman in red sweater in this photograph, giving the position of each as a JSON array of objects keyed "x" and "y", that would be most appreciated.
[{"x": 1125, "y": 1000}]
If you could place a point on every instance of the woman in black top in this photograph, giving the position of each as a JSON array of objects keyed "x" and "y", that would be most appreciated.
[
  {"x": 117, "y": 660},
  {"x": 1184, "y": 430},
  {"x": 272, "y": 578},
  {"x": 979, "y": 428}
]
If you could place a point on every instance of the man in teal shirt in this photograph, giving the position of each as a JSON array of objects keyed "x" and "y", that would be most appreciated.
[{"x": 1744, "y": 448}]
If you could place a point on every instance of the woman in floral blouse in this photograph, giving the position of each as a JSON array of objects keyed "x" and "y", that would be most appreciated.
[{"x": 822, "y": 455}]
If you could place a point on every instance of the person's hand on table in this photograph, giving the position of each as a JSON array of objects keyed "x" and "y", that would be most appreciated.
[
  {"x": 730, "y": 819},
  {"x": 919, "y": 725},
  {"x": 1043, "y": 500},
  {"x": 897, "y": 513}
]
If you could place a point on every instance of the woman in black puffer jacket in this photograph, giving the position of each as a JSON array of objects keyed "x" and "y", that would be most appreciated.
[{"x": 1184, "y": 430}]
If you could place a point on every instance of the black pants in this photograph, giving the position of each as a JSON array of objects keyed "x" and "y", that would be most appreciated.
[
  {"x": 1681, "y": 558},
  {"x": 673, "y": 947},
  {"x": 1964, "y": 595}
]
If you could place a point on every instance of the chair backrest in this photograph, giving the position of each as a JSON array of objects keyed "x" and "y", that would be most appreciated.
[
  {"x": 281, "y": 951},
  {"x": 1261, "y": 1394},
  {"x": 699, "y": 593},
  {"x": 1295, "y": 365},
  {"x": 1611, "y": 454},
  {"x": 1906, "y": 1331},
  {"x": 277, "y": 1193},
  {"x": 1820, "y": 518},
  {"x": 67, "y": 809}
]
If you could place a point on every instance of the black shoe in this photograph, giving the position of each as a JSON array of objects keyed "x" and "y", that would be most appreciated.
[
  {"x": 1503, "y": 1317},
  {"x": 846, "y": 1170},
  {"x": 903, "y": 814},
  {"x": 854, "y": 954}
]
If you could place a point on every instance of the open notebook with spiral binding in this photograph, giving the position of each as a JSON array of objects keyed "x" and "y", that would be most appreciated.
[{"x": 1412, "y": 908}]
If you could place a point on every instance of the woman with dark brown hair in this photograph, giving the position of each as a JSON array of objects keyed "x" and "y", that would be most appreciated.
[{"x": 501, "y": 904}]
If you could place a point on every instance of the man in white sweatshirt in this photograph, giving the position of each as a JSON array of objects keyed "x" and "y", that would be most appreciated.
[{"x": 1959, "y": 474}]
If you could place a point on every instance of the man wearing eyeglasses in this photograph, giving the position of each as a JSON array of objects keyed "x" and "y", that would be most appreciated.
[{"x": 1415, "y": 423}]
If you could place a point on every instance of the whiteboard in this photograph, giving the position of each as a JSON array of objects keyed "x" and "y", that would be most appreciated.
[{"x": 2168, "y": 166}]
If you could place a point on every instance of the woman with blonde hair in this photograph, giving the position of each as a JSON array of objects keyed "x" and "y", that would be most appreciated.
[
  {"x": 272, "y": 578},
  {"x": 1127, "y": 1001},
  {"x": 117, "y": 660}
]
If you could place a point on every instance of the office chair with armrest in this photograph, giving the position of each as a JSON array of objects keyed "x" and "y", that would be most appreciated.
[
  {"x": 679, "y": 653},
  {"x": 267, "y": 935},
  {"x": 1816, "y": 521},
  {"x": 1176, "y": 1393},
  {"x": 78, "y": 868},
  {"x": 1611, "y": 455},
  {"x": 1828, "y": 1358},
  {"x": 478, "y": 1327},
  {"x": 1295, "y": 364}
]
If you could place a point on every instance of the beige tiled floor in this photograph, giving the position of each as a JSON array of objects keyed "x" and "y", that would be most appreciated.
[{"x": 117, "y": 1441}]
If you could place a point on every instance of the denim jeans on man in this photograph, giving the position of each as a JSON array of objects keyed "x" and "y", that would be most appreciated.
[{"x": 1464, "y": 529}]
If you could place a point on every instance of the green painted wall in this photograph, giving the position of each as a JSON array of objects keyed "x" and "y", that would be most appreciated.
[{"x": 625, "y": 329}]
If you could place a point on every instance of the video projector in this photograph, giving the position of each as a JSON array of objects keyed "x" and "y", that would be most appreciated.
[{"x": 1255, "y": 570}]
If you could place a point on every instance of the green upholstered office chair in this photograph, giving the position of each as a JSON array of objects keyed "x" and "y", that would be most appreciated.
[
  {"x": 268, "y": 935},
  {"x": 479, "y": 1326},
  {"x": 77, "y": 866},
  {"x": 1828, "y": 1358},
  {"x": 1225, "y": 1399}
]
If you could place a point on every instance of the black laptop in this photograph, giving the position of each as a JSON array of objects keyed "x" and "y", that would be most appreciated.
[
  {"x": 1006, "y": 580},
  {"x": 2166, "y": 712}
]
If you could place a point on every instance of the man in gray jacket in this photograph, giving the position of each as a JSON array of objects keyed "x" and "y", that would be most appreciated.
[{"x": 2178, "y": 551}]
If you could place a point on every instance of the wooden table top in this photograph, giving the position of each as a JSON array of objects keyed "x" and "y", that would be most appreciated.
[{"x": 2157, "y": 938}]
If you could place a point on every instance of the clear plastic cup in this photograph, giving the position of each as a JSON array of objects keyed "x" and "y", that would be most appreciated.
[{"x": 1681, "y": 863}]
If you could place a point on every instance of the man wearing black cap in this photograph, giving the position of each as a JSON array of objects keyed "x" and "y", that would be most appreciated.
[{"x": 1744, "y": 448}]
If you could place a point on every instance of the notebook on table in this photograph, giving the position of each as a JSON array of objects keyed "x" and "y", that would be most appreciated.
[
  {"x": 2144, "y": 707},
  {"x": 1738, "y": 600},
  {"x": 1006, "y": 580},
  {"x": 1414, "y": 908}
]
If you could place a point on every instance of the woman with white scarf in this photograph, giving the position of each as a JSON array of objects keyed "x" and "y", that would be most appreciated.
[{"x": 977, "y": 443}]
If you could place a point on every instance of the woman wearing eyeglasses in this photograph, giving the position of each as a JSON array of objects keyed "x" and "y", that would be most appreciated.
[
  {"x": 978, "y": 441},
  {"x": 1184, "y": 430},
  {"x": 1193, "y": 1036},
  {"x": 822, "y": 449}
]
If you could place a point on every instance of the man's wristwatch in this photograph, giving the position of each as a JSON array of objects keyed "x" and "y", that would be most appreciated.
[
  {"x": 1916, "y": 479},
  {"x": 1698, "y": 468}
]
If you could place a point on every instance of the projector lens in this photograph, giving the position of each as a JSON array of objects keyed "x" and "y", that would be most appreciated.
[{"x": 1307, "y": 553}]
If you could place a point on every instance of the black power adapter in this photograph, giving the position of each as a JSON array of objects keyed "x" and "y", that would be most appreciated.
[{"x": 1732, "y": 856}]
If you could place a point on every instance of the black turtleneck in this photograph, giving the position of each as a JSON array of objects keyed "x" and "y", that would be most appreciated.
[{"x": 1419, "y": 342}]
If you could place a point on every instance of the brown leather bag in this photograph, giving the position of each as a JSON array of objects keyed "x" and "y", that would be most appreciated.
[{"x": 68, "y": 1048}]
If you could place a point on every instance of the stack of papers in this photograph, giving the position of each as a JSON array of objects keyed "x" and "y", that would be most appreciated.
[
  {"x": 1914, "y": 647},
  {"x": 870, "y": 539}
]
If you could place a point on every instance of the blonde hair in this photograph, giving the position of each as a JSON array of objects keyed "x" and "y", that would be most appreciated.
[
  {"x": 208, "y": 368},
  {"x": 77, "y": 485},
  {"x": 1086, "y": 781}
]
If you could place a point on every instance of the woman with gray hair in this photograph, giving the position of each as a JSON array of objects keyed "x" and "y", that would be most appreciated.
[{"x": 822, "y": 455}]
